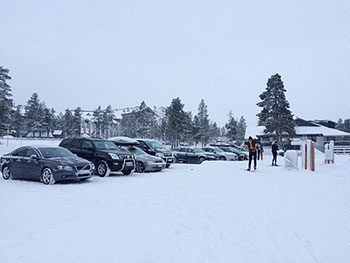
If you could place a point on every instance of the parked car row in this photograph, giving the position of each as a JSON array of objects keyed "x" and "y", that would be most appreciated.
[
  {"x": 80, "y": 158},
  {"x": 77, "y": 159}
]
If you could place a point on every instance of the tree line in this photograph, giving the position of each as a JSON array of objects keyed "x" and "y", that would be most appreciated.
[{"x": 172, "y": 123}]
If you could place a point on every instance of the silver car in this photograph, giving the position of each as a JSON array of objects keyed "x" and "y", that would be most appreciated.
[
  {"x": 146, "y": 162},
  {"x": 220, "y": 154}
]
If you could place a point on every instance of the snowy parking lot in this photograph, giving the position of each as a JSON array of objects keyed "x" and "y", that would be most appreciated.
[{"x": 213, "y": 212}]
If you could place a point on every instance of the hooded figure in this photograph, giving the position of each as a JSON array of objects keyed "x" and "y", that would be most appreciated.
[
  {"x": 274, "y": 153},
  {"x": 251, "y": 145}
]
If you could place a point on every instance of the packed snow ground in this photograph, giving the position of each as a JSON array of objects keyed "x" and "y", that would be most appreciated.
[{"x": 213, "y": 212}]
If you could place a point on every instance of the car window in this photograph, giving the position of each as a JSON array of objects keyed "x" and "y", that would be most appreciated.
[
  {"x": 143, "y": 144},
  {"x": 182, "y": 150},
  {"x": 52, "y": 152},
  {"x": 29, "y": 152},
  {"x": 105, "y": 145},
  {"x": 87, "y": 145},
  {"x": 189, "y": 150},
  {"x": 19, "y": 152},
  {"x": 65, "y": 142},
  {"x": 75, "y": 144},
  {"x": 154, "y": 145}
]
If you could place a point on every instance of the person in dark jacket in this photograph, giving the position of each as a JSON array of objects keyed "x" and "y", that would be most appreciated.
[
  {"x": 259, "y": 150},
  {"x": 251, "y": 145},
  {"x": 274, "y": 153}
]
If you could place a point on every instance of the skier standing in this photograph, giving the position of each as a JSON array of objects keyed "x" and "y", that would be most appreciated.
[
  {"x": 274, "y": 153},
  {"x": 260, "y": 150},
  {"x": 251, "y": 144}
]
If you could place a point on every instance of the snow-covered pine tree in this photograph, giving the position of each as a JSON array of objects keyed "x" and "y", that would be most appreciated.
[
  {"x": 68, "y": 127},
  {"x": 17, "y": 120},
  {"x": 214, "y": 131},
  {"x": 146, "y": 121},
  {"x": 76, "y": 122},
  {"x": 108, "y": 116},
  {"x": 176, "y": 118},
  {"x": 5, "y": 100},
  {"x": 241, "y": 129},
  {"x": 203, "y": 122},
  {"x": 275, "y": 114},
  {"x": 98, "y": 121},
  {"x": 34, "y": 114},
  {"x": 231, "y": 127}
]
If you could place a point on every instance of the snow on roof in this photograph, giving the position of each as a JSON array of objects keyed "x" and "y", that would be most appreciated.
[
  {"x": 299, "y": 130},
  {"x": 320, "y": 130},
  {"x": 123, "y": 140},
  {"x": 57, "y": 132}
]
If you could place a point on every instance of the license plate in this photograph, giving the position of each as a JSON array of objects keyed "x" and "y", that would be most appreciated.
[
  {"x": 170, "y": 160},
  {"x": 129, "y": 164}
]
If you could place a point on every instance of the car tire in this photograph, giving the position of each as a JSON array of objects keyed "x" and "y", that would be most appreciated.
[
  {"x": 167, "y": 165},
  {"x": 222, "y": 158},
  {"x": 140, "y": 167},
  {"x": 102, "y": 169},
  {"x": 201, "y": 159},
  {"x": 6, "y": 173},
  {"x": 47, "y": 176}
]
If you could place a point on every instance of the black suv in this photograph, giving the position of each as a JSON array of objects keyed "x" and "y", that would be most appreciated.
[
  {"x": 107, "y": 157},
  {"x": 153, "y": 147}
]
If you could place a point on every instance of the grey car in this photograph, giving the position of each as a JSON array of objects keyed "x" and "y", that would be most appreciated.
[
  {"x": 220, "y": 154},
  {"x": 146, "y": 162},
  {"x": 47, "y": 164}
]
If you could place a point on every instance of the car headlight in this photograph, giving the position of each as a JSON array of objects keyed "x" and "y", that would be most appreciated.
[
  {"x": 161, "y": 155},
  {"x": 65, "y": 168},
  {"x": 114, "y": 156}
]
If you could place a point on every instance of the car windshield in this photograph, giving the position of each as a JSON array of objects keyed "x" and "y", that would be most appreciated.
[
  {"x": 218, "y": 150},
  {"x": 52, "y": 152},
  {"x": 136, "y": 151},
  {"x": 154, "y": 145},
  {"x": 225, "y": 149},
  {"x": 233, "y": 149},
  {"x": 198, "y": 150},
  {"x": 105, "y": 145}
]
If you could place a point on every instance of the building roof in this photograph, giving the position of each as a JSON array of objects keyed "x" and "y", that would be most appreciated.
[
  {"x": 314, "y": 130},
  {"x": 320, "y": 130}
]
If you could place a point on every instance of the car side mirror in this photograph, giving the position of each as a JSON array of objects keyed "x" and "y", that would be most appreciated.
[{"x": 34, "y": 157}]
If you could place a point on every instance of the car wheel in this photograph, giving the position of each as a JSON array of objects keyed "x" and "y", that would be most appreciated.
[
  {"x": 6, "y": 173},
  {"x": 102, "y": 169},
  {"x": 140, "y": 167},
  {"x": 223, "y": 158},
  {"x": 202, "y": 159},
  {"x": 47, "y": 176},
  {"x": 167, "y": 165}
]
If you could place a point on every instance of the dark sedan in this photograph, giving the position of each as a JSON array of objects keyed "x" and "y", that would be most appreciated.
[{"x": 47, "y": 164}]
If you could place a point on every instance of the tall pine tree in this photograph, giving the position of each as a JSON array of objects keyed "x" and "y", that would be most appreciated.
[
  {"x": 5, "y": 100},
  {"x": 275, "y": 114},
  {"x": 231, "y": 127},
  {"x": 203, "y": 123},
  {"x": 176, "y": 120},
  {"x": 241, "y": 129}
]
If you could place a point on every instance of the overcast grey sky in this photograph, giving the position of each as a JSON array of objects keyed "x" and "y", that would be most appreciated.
[{"x": 90, "y": 53}]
